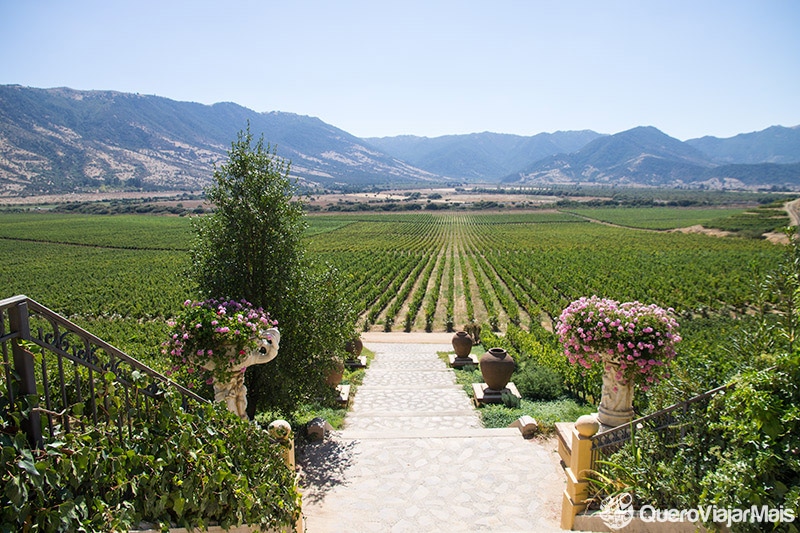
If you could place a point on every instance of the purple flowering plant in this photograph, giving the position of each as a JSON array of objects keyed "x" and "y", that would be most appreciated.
[
  {"x": 210, "y": 337},
  {"x": 635, "y": 340}
]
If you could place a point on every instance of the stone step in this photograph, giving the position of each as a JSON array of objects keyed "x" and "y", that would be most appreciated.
[
  {"x": 404, "y": 400},
  {"x": 441, "y": 421},
  {"x": 444, "y": 433},
  {"x": 410, "y": 386},
  {"x": 419, "y": 414},
  {"x": 406, "y": 371},
  {"x": 407, "y": 365},
  {"x": 397, "y": 379},
  {"x": 377, "y": 413}
]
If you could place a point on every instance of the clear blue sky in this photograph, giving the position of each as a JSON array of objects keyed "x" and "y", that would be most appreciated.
[{"x": 379, "y": 68}]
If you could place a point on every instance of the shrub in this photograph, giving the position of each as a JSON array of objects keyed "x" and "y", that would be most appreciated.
[
  {"x": 760, "y": 424},
  {"x": 545, "y": 413},
  {"x": 185, "y": 469},
  {"x": 536, "y": 382},
  {"x": 743, "y": 449}
]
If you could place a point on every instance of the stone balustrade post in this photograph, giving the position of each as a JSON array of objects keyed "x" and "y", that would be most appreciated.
[
  {"x": 580, "y": 461},
  {"x": 281, "y": 432}
]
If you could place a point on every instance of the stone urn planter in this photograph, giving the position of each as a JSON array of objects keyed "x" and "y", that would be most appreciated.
[
  {"x": 462, "y": 344},
  {"x": 496, "y": 368},
  {"x": 354, "y": 358},
  {"x": 616, "y": 400},
  {"x": 632, "y": 343}
]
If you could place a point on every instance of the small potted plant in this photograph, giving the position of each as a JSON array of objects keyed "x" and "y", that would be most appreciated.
[
  {"x": 631, "y": 341},
  {"x": 214, "y": 341}
]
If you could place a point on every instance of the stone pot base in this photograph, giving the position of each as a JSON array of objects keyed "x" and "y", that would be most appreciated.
[
  {"x": 610, "y": 418},
  {"x": 459, "y": 362},
  {"x": 358, "y": 362},
  {"x": 485, "y": 395}
]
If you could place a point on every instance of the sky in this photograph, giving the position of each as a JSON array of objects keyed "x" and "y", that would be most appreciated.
[{"x": 427, "y": 67}]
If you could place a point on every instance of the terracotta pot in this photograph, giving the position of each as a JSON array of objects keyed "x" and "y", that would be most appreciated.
[
  {"x": 496, "y": 368},
  {"x": 336, "y": 374},
  {"x": 462, "y": 344},
  {"x": 354, "y": 347}
]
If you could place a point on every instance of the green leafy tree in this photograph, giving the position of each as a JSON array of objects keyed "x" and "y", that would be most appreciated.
[{"x": 252, "y": 247}]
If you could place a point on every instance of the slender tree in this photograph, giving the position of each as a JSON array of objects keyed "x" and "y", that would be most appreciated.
[{"x": 251, "y": 247}]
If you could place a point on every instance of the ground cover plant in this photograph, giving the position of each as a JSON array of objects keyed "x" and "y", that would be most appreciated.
[
  {"x": 557, "y": 407},
  {"x": 180, "y": 468}
]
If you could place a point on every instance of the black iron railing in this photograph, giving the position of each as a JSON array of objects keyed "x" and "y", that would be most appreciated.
[
  {"x": 63, "y": 377},
  {"x": 671, "y": 424}
]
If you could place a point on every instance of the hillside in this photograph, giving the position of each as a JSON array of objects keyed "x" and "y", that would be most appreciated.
[
  {"x": 62, "y": 140},
  {"x": 775, "y": 144},
  {"x": 647, "y": 156},
  {"x": 480, "y": 156},
  {"x": 67, "y": 141}
]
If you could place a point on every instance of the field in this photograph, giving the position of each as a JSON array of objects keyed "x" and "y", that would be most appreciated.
[
  {"x": 123, "y": 276},
  {"x": 658, "y": 219},
  {"x": 434, "y": 271}
]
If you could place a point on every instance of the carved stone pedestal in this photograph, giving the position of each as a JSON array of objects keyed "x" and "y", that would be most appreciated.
[{"x": 616, "y": 402}]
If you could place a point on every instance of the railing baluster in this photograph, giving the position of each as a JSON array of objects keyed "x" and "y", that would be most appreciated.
[
  {"x": 64, "y": 401},
  {"x": 6, "y": 361},
  {"x": 78, "y": 388},
  {"x": 127, "y": 411},
  {"x": 48, "y": 404}
]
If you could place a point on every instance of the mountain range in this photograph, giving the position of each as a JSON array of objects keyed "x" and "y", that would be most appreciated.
[
  {"x": 647, "y": 156},
  {"x": 63, "y": 140}
]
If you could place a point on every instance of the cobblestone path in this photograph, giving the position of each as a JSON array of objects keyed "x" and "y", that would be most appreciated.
[{"x": 413, "y": 456}]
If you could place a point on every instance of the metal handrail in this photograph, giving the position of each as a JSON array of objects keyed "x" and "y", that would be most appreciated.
[
  {"x": 34, "y": 381},
  {"x": 612, "y": 439},
  {"x": 615, "y": 436}
]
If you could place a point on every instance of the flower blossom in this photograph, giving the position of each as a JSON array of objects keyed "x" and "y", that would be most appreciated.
[{"x": 639, "y": 339}]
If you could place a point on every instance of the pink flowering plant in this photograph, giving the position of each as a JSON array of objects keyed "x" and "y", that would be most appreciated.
[
  {"x": 210, "y": 337},
  {"x": 635, "y": 340}
]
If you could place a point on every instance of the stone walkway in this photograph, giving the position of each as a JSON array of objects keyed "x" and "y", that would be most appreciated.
[{"x": 413, "y": 456}]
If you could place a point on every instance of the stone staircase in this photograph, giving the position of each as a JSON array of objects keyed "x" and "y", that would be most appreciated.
[
  {"x": 413, "y": 456},
  {"x": 407, "y": 393}
]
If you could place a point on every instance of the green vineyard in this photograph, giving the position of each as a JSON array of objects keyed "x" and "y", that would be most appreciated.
[
  {"x": 122, "y": 276},
  {"x": 434, "y": 272}
]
